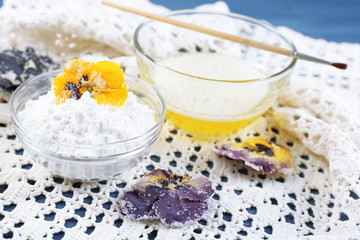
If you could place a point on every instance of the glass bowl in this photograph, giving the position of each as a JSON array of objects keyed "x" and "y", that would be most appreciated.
[
  {"x": 212, "y": 87},
  {"x": 111, "y": 160}
]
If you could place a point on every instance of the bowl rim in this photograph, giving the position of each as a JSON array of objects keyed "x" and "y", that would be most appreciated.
[
  {"x": 147, "y": 134},
  {"x": 283, "y": 72}
]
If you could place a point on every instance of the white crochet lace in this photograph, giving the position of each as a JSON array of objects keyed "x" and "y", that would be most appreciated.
[{"x": 316, "y": 117}]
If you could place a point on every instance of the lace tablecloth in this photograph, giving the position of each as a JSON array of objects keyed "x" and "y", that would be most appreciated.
[{"x": 316, "y": 117}]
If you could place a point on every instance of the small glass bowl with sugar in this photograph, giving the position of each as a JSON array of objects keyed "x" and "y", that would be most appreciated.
[
  {"x": 212, "y": 87},
  {"x": 77, "y": 152}
]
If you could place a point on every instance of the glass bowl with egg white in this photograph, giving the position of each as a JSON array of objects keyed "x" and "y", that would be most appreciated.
[
  {"x": 212, "y": 87},
  {"x": 81, "y": 139}
]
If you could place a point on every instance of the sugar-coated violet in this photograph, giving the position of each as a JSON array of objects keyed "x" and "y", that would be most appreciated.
[
  {"x": 258, "y": 153},
  {"x": 173, "y": 199}
]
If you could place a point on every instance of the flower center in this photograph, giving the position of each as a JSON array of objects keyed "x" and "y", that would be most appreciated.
[
  {"x": 73, "y": 89},
  {"x": 86, "y": 85},
  {"x": 265, "y": 149},
  {"x": 84, "y": 78},
  {"x": 173, "y": 181}
]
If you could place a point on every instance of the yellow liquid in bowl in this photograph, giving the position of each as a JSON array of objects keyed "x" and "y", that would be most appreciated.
[
  {"x": 206, "y": 128},
  {"x": 238, "y": 104}
]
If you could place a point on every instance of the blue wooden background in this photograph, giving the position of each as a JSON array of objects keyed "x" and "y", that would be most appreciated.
[{"x": 333, "y": 20}]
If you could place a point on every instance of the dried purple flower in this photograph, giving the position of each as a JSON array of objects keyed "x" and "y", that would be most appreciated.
[
  {"x": 174, "y": 199},
  {"x": 258, "y": 153}
]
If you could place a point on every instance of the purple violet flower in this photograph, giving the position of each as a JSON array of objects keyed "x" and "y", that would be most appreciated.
[
  {"x": 174, "y": 199},
  {"x": 258, "y": 153}
]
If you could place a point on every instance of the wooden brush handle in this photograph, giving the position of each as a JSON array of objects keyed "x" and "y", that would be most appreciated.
[
  {"x": 222, "y": 35},
  {"x": 242, "y": 40}
]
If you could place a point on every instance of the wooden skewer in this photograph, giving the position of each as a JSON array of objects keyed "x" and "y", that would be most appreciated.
[{"x": 226, "y": 36}]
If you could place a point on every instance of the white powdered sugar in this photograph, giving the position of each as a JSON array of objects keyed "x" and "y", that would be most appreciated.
[{"x": 84, "y": 121}]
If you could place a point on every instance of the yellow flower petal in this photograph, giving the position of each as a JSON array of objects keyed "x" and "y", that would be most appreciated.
[
  {"x": 114, "y": 97},
  {"x": 59, "y": 87},
  {"x": 112, "y": 74},
  {"x": 115, "y": 91},
  {"x": 78, "y": 68},
  {"x": 262, "y": 146}
]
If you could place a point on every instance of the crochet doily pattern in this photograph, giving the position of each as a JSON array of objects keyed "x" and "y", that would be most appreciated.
[{"x": 316, "y": 117}]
